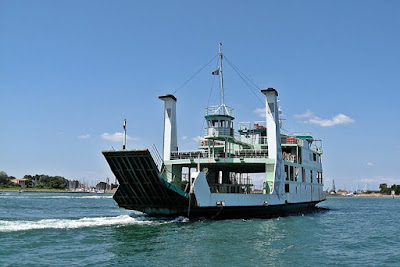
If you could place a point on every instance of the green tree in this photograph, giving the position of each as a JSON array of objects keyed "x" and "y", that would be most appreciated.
[
  {"x": 101, "y": 186},
  {"x": 384, "y": 189},
  {"x": 51, "y": 182},
  {"x": 4, "y": 179}
]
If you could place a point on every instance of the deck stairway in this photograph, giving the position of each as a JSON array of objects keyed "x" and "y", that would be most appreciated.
[{"x": 141, "y": 186}]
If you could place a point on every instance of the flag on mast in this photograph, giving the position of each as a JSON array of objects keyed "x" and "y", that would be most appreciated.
[{"x": 216, "y": 72}]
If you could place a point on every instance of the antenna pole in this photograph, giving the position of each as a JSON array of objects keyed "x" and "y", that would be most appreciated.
[
  {"x": 221, "y": 74},
  {"x": 124, "y": 141}
]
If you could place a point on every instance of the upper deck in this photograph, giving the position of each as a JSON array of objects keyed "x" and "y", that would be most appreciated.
[{"x": 254, "y": 136}]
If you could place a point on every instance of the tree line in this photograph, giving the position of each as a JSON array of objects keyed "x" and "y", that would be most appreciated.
[
  {"x": 384, "y": 189},
  {"x": 38, "y": 181},
  {"x": 43, "y": 181}
]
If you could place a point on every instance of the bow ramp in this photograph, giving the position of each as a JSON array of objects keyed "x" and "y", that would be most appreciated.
[{"x": 141, "y": 186}]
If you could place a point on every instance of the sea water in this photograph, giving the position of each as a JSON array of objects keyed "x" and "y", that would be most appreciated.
[{"x": 64, "y": 229}]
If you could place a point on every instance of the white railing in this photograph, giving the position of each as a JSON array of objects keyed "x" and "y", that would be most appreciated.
[
  {"x": 239, "y": 153},
  {"x": 219, "y": 110},
  {"x": 249, "y": 126},
  {"x": 188, "y": 154},
  {"x": 250, "y": 153},
  {"x": 156, "y": 157}
]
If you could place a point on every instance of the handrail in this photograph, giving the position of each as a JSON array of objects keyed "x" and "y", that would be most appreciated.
[{"x": 157, "y": 157}]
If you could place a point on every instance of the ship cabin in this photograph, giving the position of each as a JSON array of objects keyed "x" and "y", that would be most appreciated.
[{"x": 230, "y": 160}]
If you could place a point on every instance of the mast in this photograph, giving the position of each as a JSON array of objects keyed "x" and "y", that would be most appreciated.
[
  {"x": 221, "y": 75},
  {"x": 124, "y": 140}
]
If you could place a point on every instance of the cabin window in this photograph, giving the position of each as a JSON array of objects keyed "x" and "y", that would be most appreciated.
[
  {"x": 287, "y": 188},
  {"x": 311, "y": 178},
  {"x": 303, "y": 174},
  {"x": 286, "y": 172},
  {"x": 291, "y": 173},
  {"x": 314, "y": 157},
  {"x": 296, "y": 173},
  {"x": 185, "y": 174},
  {"x": 319, "y": 177}
]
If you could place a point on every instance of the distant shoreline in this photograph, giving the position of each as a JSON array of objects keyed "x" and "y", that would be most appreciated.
[
  {"x": 366, "y": 195},
  {"x": 33, "y": 190}
]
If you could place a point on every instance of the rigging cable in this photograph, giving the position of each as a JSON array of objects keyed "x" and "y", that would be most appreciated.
[
  {"x": 241, "y": 74},
  {"x": 194, "y": 75}
]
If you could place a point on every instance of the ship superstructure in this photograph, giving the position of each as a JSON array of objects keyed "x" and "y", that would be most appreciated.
[{"x": 215, "y": 180}]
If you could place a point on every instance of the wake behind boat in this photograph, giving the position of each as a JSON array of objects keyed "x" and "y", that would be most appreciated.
[{"x": 215, "y": 180}]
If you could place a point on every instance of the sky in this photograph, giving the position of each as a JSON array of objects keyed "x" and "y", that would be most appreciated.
[{"x": 72, "y": 71}]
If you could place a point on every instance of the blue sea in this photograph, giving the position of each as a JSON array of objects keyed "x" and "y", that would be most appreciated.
[{"x": 64, "y": 229}]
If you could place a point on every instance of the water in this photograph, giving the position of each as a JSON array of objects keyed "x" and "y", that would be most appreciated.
[{"x": 85, "y": 229}]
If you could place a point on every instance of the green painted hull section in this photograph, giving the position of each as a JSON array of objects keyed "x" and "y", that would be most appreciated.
[{"x": 141, "y": 186}]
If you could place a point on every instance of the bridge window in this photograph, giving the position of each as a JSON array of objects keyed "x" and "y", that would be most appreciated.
[
  {"x": 296, "y": 173},
  {"x": 287, "y": 188},
  {"x": 303, "y": 174},
  {"x": 311, "y": 178}
]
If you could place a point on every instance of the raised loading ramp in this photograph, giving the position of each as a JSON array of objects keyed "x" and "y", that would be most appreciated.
[{"x": 141, "y": 186}]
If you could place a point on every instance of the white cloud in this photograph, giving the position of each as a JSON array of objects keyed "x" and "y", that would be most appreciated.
[
  {"x": 116, "y": 137},
  {"x": 84, "y": 136},
  {"x": 370, "y": 164},
  {"x": 313, "y": 119},
  {"x": 306, "y": 114},
  {"x": 260, "y": 112},
  {"x": 198, "y": 138}
]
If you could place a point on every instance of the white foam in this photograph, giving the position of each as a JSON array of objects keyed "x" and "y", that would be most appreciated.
[
  {"x": 95, "y": 197},
  {"x": 12, "y": 226}
]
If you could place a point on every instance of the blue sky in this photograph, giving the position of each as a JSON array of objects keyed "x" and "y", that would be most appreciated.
[{"x": 71, "y": 71}]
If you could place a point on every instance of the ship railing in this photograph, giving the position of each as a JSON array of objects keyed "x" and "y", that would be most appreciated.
[
  {"x": 219, "y": 110},
  {"x": 206, "y": 142},
  {"x": 157, "y": 158},
  {"x": 286, "y": 132},
  {"x": 290, "y": 140},
  {"x": 244, "y": 126},
  {"x": 291, "y": 158},
  {"x": 188, "y": 154},
  {"x": 250, "y": 153},
  {"x": 254, "y": 140},
  {"x": 316, "y": 148},
  {"x": 233, "y": 153}
]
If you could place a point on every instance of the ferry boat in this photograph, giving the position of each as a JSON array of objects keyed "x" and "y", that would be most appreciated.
[{"x": 215, "y": 181}]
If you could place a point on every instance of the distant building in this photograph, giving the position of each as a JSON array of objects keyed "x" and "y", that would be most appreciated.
[
  {"x": 342, "y": 192},
  {"x": 21, "y": 182}
]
